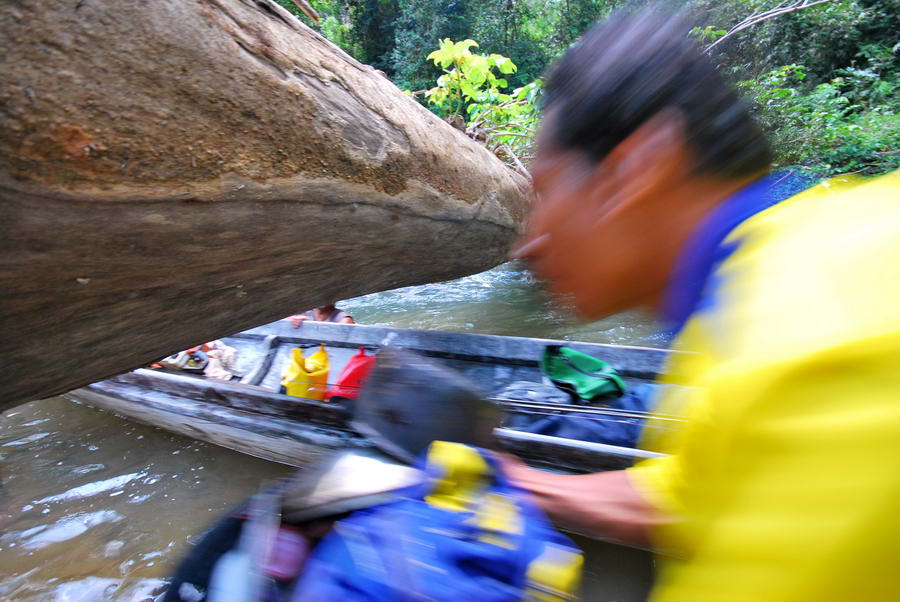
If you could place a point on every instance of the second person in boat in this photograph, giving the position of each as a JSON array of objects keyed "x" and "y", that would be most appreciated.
[{"x": 323, "y": 313}]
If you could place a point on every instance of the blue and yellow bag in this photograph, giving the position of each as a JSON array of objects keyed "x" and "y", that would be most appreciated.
[{"x": 465, "y": 532}]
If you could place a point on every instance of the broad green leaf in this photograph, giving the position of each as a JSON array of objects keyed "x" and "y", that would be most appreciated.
[
  {"x": 441, "y": 57},
  {"x": 468, "y": 89},
  {"x": 504, "y": 64},
  {"x": 464, "y": 45},
  {"x": 476, "y": 77}
]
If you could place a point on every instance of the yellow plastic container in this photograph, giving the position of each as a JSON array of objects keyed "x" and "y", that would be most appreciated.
[{"x": 307, "y": 377}]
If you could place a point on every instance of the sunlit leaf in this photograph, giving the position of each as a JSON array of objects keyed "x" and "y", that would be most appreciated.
[{"x": 468, "y": 89}]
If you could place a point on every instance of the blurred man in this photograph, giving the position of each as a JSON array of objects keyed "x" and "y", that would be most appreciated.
[{"x": 784, "y": 482}]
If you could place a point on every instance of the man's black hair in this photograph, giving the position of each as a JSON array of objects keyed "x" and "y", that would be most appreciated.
[{"x": 629, "y": 68}]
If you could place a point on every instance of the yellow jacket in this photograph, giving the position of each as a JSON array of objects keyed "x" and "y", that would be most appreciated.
[{"x": 787, "y": 473}]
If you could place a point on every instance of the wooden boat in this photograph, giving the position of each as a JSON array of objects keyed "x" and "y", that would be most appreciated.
[{"x": 250, "y": 415}]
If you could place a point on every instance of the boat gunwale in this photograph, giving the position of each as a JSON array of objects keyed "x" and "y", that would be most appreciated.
[
  {"x": 246, "y": 402},
  {"x": 644, "y": 363}
]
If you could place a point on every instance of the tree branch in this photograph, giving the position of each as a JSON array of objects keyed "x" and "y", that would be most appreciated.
[
  {"x": 308, "y": 10},
  {"x": 757, "y": 18},
  {"x": 510, "y": 134},
  {"x": 521, "y": 169}
]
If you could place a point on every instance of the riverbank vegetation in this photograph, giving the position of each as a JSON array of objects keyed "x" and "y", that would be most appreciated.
[{"x": 823, "y": 76}]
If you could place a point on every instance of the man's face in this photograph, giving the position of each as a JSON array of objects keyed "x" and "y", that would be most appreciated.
[{"x": 593, "y": 247}]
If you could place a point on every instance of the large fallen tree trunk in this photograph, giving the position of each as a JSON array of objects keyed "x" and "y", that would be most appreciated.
[{"x": 174, "y": 171}]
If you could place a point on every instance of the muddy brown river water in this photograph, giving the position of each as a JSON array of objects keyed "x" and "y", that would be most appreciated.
[{"x": 93, "y": 507}]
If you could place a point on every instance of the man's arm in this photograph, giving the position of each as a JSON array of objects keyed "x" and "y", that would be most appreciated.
[
  {"x": 297, "y": 320},
  {"x": 604, "y": 505}
]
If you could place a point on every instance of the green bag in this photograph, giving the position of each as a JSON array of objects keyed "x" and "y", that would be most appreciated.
[{"x": 582, "y": 376}]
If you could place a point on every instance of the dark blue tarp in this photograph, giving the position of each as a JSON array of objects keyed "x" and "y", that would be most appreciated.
[{"x": 612, "y": 430}]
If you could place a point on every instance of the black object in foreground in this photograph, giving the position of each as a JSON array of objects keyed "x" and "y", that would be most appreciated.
[{"x": 409, "y": 401}]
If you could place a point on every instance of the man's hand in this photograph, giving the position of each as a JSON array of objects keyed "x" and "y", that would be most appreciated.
[
  {"x": 297, "y": 321},
  {"x": 604, "y": 504}
]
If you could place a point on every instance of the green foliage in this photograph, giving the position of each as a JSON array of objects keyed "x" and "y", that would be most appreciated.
[
  {"x": 838, "y": 112},
  {"x": 364, "y": 29},
  {"x": 823, "y": 81},
  {"x": 420, "y": 24},
  {"x": 708, "y": 34},
  {"x": 374, "y": 28},
  {"x": 824, "y": 38},
  {"x": 516, "y": 29},
  {"x": 466, "y": 75},
  {"x": 507, "y": 123},
  {"x": 396, "y": 35},
  {"x": 851, "y": 123},
  {"x": 574, "y": 18},
  {"x": 472, "y": 85}
]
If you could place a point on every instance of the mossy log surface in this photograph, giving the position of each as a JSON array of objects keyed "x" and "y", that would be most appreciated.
[{"x": 175, "y": 171}]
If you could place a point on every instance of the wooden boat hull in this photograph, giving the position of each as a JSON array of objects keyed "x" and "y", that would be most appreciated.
[
  {"x": 270, "y": 438},
  {"x": 251, "y": 417}
]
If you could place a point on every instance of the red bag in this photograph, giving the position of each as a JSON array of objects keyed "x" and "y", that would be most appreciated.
[{"x": 352, "y": 376}]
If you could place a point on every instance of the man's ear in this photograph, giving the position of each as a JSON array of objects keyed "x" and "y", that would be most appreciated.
[{"x": 650, "y": 159}]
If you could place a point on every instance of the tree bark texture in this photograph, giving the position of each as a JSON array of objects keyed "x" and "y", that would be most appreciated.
[{"x": 178, "y": 170}]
